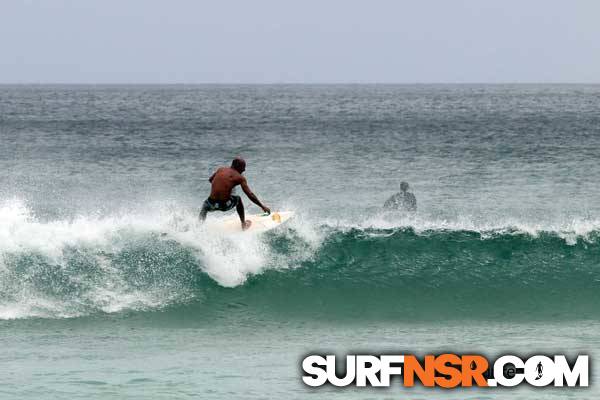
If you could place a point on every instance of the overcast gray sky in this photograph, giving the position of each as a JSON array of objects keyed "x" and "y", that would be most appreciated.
[{"x": 256, "y": 41}]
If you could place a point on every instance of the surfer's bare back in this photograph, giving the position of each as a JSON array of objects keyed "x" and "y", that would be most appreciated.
[{"x": 223, "y": 181}]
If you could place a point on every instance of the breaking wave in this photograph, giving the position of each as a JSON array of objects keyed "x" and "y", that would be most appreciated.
[{"x": 384, "y": 266}]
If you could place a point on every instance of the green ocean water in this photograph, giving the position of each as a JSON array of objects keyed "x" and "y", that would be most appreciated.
[{"x": 109, "y": 287}]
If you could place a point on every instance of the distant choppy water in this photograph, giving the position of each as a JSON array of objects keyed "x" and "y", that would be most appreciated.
[{"x": 108, "y": 286}]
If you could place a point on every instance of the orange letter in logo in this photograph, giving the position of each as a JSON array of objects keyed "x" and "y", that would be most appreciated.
[
  {"x": 412, "y": 367},
  {"x": 473, "y": 368},
  {"x": 447, "y": 364}
]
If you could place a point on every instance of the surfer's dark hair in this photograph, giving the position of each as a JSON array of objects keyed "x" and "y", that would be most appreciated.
[{"x": 239, "y": 164}]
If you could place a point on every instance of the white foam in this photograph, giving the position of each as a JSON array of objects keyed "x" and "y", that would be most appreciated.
[
  {"x": 231, "y": 259},
  {"x": 569, "y": 229},
  {"x": 228, "y": 260}
]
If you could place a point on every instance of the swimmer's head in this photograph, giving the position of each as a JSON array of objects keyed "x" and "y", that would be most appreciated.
[
  {"x": 404, "y": 186},
  {"x": 238, "y": 164}
]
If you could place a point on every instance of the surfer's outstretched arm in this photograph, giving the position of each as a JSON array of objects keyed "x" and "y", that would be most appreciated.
[{"x": 252, "y": 196}]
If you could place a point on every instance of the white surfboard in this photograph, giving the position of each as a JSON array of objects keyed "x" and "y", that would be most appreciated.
[{"x": 260, "y": 222}]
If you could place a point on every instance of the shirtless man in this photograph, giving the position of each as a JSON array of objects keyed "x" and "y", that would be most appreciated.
[
  {"x": 403, "y": 200},
  {"x": 223, "y": 181}
]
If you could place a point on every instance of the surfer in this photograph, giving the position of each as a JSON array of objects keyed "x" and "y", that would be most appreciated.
[
  {"x": 539, "y": 369},
  {"x": 403, "y": 200},
  {"x": 223, "y": 181}
]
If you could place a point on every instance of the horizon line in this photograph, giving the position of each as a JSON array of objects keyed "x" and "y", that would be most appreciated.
[{"x": 289, "y": 83}]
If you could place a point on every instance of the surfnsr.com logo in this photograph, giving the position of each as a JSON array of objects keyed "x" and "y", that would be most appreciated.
[{"x": 446, "y": 371}]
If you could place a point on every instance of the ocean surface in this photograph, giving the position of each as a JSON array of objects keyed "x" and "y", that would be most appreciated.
[{"x": 110, "y": 288}]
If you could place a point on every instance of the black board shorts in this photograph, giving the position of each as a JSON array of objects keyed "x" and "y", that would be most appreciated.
[{"x": 216, "y": 205}]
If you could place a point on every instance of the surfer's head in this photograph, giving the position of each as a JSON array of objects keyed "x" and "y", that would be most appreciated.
[
  {"x": 238, "y": 164},
  {"x": 404, "y": 186}
]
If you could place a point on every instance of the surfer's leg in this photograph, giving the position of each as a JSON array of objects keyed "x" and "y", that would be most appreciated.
[
  {"x": 240, "y": 210},
  {"x": 205, "y": 209},
  {"x": 239, "y": 206}
]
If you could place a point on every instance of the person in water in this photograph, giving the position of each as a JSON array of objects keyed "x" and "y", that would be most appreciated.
[
  {"x": 223, "y": 181},
  {"x": 403, "y": 200}
]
